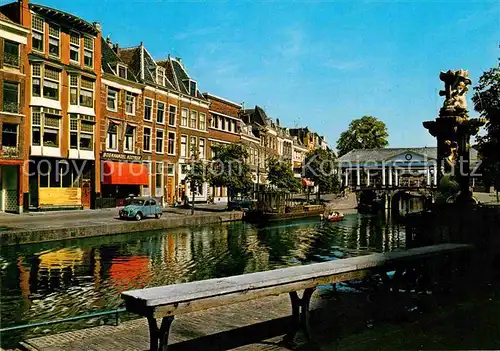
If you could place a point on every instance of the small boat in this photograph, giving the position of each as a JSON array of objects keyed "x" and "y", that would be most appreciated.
[{"x": 335, "y": 217}]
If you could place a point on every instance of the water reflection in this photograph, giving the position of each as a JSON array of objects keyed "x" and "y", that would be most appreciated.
[{"x": 54, "y": 280}]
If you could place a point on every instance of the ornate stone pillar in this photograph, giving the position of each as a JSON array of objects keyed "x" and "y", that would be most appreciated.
[
  {"x": 383, "y": 175},
  {"x": 390, "y": 176},
  {"x": 358, "y": 176}
]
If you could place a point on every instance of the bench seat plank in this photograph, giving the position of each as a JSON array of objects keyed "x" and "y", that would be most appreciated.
[{"x": 292, "y": 276}]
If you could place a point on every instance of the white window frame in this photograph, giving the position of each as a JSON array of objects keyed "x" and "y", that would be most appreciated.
[
  {"x": 42, "y": 78},
  {"x": 162, "y": 141},
  {"x": 158, "y": 111},
  {"x": 118, "y": 66},
  {"x": 201, "y": 154},
  {"x": 152, "y": 109},
  {"x": 169, "y": 114},
  {"x": 191, "y": 138},
  {"x": 160, "y": 75},
  {"x": 134, "y": 139},
  {"x": 129, "y": 94},
  {"x": 81, "y": 88},
  {"x": 150, "y": 138},
  {"x": 168, "y": 142},
  {"x": 117, "y": 124},
  {"x": 184, "y": 146},
  {"x": 75, "y": 46},
  {"x": 53, "y": 37},
  {"x": 184, "y": 118},
  {"x": 37, "y": 31},
  {"x": 92, "y": 50},
  {"x": 191, "y": 114},
  {"x": 79, "y": 132},
  {"x": 159, "y": 189},
  {"x": 200, "y": 115},
  {"x": 117, "y": 93}
]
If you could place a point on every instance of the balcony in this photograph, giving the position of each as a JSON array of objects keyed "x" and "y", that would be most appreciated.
[
  {"x": 11, "y": 107},
  {"x": 10, "y": 59},
  {"x": 9, "y": 151}
]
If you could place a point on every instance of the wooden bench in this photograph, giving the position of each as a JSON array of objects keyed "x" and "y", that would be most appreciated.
[{"x": 167, "y": 301}]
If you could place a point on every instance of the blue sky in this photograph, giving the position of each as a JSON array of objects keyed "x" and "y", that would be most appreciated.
[{"x": 314, "y": 63}]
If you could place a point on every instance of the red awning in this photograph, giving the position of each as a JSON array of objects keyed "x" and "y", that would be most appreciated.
[
  {"x": 123, "y": 173},
  {"x": 307, "y": 182}
]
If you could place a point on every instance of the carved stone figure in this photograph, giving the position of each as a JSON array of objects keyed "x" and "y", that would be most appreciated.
[{"x": 455, "y": 91}]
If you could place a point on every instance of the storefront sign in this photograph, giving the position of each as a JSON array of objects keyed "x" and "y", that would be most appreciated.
[{"x": 119, "y": 156}]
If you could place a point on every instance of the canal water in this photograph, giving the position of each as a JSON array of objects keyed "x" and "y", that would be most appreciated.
[{"x": 47, "y": 281}]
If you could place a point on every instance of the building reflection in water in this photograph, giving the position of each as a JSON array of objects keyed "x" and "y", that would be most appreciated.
[{"x": 47, "y": 281}]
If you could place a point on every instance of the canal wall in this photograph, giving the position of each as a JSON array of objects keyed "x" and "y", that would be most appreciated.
[
  {"x": 348, "y": 202},
  {"x": 37, "y": 235}
]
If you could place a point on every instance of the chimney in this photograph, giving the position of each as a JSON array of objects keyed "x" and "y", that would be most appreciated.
[
  {"x": 97, "y": 26},
  {"x": 109, "y": 42},
  {"x": 116, "y": 48}
]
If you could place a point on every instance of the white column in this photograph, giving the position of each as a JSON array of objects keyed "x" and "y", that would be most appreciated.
[
  {"x": 358, "y": 177},
  {"x": 368, "y": 177},
  {"x": 347, "y": 170},
  {"x": 396, "y": 177},
  {"x": 428, "y": 171},
  {"x": 383, "y": 175},
  {"x": 390, "y": 176}
]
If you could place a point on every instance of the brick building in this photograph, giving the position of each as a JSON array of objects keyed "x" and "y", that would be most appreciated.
[
  {"x": 224, "y": 127},
  {"x": 121, "y": 131},
  {"x": 13, "y": 65},
  {"x": 64, "y": 54}
]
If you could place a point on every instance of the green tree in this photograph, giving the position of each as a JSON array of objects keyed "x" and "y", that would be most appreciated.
[
  {"x": 230, "y": 169},
  {"x": 486, "y": 101},
  {"x": 366, "y": 132},
  {"x": 320, "y": 166},
  {"x": 196, "y": 176},
  {"x": 280, "y": 175}
]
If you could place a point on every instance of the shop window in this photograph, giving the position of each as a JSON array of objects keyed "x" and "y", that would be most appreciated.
[
  {"x": 10, "y": 53},
  {"x": 10, "y": 97},
  {"x": 159, "y": 178},
  {"x": 9, "y": 135}
]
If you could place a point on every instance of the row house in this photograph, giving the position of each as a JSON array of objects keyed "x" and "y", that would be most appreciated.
[
  {"x": 224, "y": 128},
  {"x": 263, "y": 129},
  {"x": 174, "y": 124},
  {"x": 63, "y": 65},
  {"x": 13, "y": 66},
  {"x": 285, "y": 143},
  {"x": 121, "y": 131},
  {"x": 312, "y": 140},
  {"x": 299, "y": 152}
]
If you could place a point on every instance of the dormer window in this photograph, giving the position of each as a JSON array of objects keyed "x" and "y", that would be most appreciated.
[
  {"x": 121, "y": 70},
  {"x": 192, "y": 87},
  {"x": 160, "y": 76}
]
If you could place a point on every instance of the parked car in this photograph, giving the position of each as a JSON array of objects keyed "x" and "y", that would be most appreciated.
[
  {"x": 141, "y": 207},
  {"x": 240, "y": 203}
]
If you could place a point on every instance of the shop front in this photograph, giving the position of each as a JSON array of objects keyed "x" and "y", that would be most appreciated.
[
  {"x": 122, "y": 176},
  {"x": 60, "y": 183}
]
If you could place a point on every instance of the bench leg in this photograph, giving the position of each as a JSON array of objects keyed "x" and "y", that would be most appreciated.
[
  {"x": 300, "y": 314},
  {"x": 158, "y": 337}
]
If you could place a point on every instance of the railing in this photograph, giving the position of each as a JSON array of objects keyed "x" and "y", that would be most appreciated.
[
  {"x": 11, "y": 107},
  {"x": 64, "y": 320},
  {"x": 11, "y": 59},
  {"x": 9, "y": 151}
]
